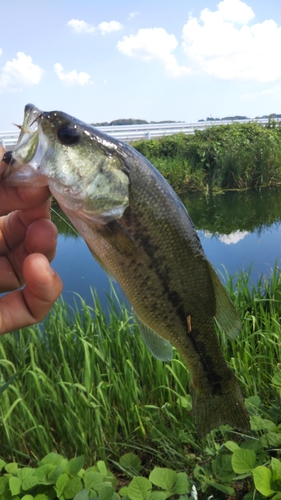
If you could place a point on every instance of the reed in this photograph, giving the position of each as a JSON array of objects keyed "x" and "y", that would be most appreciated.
[
  {"x": 221, "y": 157},
  {"x": 86, "y": 384}
]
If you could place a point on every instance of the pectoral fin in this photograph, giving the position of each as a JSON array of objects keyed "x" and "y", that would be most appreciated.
[
  {"x": 118, "y": 238},
  {"x": 160, "y": 348}
]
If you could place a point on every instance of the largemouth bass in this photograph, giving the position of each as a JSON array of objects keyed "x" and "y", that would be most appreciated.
[{"x": 139, "y": 231}]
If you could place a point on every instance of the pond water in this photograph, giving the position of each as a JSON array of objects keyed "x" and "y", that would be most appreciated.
[{"x": 237, "y": 230}]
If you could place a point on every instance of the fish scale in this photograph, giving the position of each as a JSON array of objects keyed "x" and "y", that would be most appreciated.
[{"x": 140, "y": 232}]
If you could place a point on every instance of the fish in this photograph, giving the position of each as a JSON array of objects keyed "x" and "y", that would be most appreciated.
[{"x": 140, "y": 232}]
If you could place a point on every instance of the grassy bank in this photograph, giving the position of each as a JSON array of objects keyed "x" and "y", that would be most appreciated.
[
  {"x": 89, "y": 387},
  {"x": 221, "y": 157}
]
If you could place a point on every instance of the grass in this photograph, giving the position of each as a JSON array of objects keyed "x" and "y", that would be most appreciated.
[
  {"x": 85, "y": 385},
  {"x": 221, "y": 157}
]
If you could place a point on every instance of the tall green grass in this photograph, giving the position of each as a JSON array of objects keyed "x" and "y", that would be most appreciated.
[
  {"x": 256, "y": 354},
  {"x": 88, "y": 385},
  {"x": 235, "y": 156},
  {"x": 83, "y": 386}
]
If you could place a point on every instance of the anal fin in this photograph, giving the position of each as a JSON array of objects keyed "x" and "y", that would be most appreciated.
[{"x": 160, "y": 348}]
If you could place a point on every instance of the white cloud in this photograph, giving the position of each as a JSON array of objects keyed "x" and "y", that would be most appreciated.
[
  {"x": 81, "y": 26},
  {"x": 109, "y": 27},
  {"x": 228, "y": 239},
  {"x": 153, "y": 44},
  {"x": 234, "y": 11},
  {"x": 20, "y": 72},
  {"x": 72, "y": 77},
  {"x": 232, "y": 238},
  {"x": 224, "y": 45}
]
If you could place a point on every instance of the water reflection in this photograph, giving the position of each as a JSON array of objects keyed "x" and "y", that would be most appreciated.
[
  {"x": 229, "y": 239},
  {"x": 237, "y": 229},
  {"x": 249, "y": 210}
]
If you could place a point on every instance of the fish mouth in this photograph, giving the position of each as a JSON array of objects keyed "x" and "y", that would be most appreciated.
[
  {"x": 30, "y": 122},
  {"x": 31, "y": 148}
]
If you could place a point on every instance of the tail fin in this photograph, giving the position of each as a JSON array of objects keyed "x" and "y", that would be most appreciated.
[{"x": 210, "y": 410}]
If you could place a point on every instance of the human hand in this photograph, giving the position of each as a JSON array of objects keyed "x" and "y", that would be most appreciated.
[{"x": 27, "y": 245}]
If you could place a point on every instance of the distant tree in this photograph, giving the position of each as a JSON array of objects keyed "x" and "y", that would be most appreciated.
[
  {"x": 129, "y": 121},
  {"x": 236, "y": 117},
  {"x": 121, "y": 121},
  {"x": 271, "y": 116},
  {"x": 100, "y": 124},
  {"x": 168, "y": 121}
]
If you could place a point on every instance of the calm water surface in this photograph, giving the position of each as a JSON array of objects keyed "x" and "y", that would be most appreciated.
[
  {"x": 236, "y": 229},
  {"x": 239, "y": 229}
]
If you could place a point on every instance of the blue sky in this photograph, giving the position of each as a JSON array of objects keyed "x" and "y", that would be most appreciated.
[{"x": 100, "y": 60}]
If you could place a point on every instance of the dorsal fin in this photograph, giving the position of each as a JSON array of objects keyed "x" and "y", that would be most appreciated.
[{"x": 160, "y": 348}]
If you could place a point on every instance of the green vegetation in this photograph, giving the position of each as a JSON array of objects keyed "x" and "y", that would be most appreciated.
[
  {"x": 121, "y": 121},
  {"x": 127, "y": 121},
  {"x": 242, "y": 210},
  {"x": 235, "y": 156},
  {"x": 56, "y": 477},
  {"x": 229, "y": 118},
  {"x": 81, "y": 385}
]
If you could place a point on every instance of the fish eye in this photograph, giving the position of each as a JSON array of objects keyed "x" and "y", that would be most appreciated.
[{"x": 68, "y": 134}]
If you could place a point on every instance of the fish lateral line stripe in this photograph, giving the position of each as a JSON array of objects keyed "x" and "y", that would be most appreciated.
[{"x": 214, "y": 379}]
